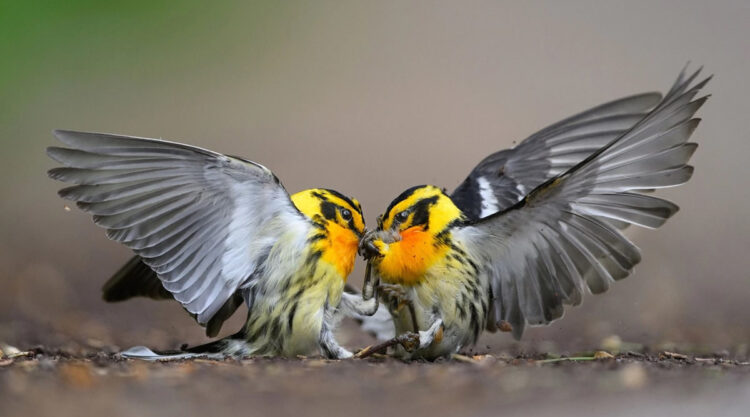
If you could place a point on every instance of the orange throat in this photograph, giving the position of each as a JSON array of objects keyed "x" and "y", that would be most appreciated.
[
  {"x": 340, "y": 249},
  {"x": 406, "y": 261}
]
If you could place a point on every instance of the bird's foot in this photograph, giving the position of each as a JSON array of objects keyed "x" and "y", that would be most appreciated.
[{"x": 409, "y": 341}]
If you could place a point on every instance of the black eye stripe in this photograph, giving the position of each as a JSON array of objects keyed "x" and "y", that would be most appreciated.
[
  {"x": 403, "y": 196},
  {"x": 346, "y": 199},
  {"x": 328, "y": 210},
  {"x": 420, "y": 210}
]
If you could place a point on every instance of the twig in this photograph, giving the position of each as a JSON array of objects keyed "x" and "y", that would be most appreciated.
[
  {"x": 574, "y": 358},
  {"x": 672, "y": 355},
  {"x": 413, "y": 314},
  {"x": 463, "y": 358},
  {"x": 373, "y": 349},
  {"x": 406, "y": 340}
]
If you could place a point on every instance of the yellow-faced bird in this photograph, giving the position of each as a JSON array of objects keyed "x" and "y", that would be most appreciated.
[
  {"x": 531, "y": 228},
  {"x": 213, "y": 232}
]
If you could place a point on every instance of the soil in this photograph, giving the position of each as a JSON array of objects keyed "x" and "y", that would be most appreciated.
[{"x": 48, "y": 381}]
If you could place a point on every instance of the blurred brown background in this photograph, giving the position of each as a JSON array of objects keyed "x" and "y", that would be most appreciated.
[{"x": 367, "y": 98}]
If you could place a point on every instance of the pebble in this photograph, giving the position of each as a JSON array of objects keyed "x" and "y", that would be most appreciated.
[{"x": 633, "y": 376}]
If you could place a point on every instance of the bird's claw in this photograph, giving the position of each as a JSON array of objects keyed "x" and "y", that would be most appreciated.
[
  {"x": 409, "y": 341},
  {"x": 393, "y": 295}
]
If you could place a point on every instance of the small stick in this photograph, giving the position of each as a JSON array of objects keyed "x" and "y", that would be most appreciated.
[
  {"x": 572, "y": 359},
  {"x": 368, "y": 288},
  {"x": 379, "y": 348},
  {"x": 373, "y": 349},
  {"x": 413, "y": 314},
  {"x": 463, "y": 358}
]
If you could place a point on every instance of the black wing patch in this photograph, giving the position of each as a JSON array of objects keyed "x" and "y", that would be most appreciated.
[{"x": 505, "y": 177}]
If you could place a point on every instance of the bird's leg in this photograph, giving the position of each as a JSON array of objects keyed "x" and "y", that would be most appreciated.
[
  {"x": 353, "y": 305},
  {"x": 329, "y": 347},
  {"x": 433, "y": 334},
  {"x": 366, "y": 304},
  {"x": 396, "y": 298},
  {"x": 410, "y": 341}
]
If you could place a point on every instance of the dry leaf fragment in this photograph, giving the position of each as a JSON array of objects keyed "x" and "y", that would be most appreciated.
[
  {"x": 462, "y": 358},
  {"x": 504, "y": 326},
  {"x": 672, "y": 355},
  {"x": 601, "y": 354},
  {"x": 8, "y": 351}
]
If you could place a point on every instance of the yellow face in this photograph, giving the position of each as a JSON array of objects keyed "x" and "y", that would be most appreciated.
[
  {"x": 339, "y": 226},
  {"x": 421, "y": 218}
]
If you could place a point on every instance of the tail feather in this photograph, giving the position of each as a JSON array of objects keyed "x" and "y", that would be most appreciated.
[
  {"x": 231, "y": 346},
  {"x": 134, "y": 279},
  {"x": 234, "y": 345}
]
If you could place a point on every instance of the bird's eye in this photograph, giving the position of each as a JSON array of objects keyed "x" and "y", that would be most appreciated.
[
  {"x": 346, "y": 214},
  {"x": 402, "y": 216}
]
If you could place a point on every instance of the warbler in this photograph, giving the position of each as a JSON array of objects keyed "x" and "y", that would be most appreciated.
[
  {"x": 213, "y": 232},
  {"x": 533, "y": 226}
]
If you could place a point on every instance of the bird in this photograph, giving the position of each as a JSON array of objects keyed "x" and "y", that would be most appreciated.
[
  {"x": 213, "y": 232},
  {"x": 532, "y": 227}
]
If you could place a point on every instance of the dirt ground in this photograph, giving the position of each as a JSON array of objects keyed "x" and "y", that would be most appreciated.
[{"x": 45, "y": 381}]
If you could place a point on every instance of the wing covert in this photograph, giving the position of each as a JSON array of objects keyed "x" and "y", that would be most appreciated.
[
  {"x": 201, "y": 220},
  {"x": 503, "y": 178}
]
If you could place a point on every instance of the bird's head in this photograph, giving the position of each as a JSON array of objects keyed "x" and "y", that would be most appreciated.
[
  {"x": 339, "y": 225},
  {"x": 328, "y": 207},
  {"x": 411, "y": 234}
]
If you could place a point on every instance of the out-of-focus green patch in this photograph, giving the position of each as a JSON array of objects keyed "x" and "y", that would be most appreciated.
[{"x": 44, "y": 44}]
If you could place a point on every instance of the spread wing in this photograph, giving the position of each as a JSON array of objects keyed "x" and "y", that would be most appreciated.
[
  {"x": 541, "y": 252},
  {"x": 203, "y": 221},
  {"x": 505, "y": 177}
]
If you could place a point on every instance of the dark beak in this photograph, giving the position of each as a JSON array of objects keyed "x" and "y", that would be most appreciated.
[{"x": 368, "y": 250}]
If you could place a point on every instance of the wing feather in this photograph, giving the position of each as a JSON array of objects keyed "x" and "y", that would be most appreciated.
[
  {"x": 201, "y": 220},
  {"x": 502, "y": 179},
  {"x": 563, "y": 236}
]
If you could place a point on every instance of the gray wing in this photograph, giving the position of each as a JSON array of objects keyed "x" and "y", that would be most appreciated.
[
  {"x": 502, "y": 179},
  {"x": 201, "y": 220},
  {"x": 545, "y": 249}
]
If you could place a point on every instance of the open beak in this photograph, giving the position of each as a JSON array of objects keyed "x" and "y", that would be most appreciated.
[{"x": 368, "y": 250}]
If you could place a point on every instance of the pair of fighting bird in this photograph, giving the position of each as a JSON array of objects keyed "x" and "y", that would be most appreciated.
[{"x": 527, "y": 231}]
